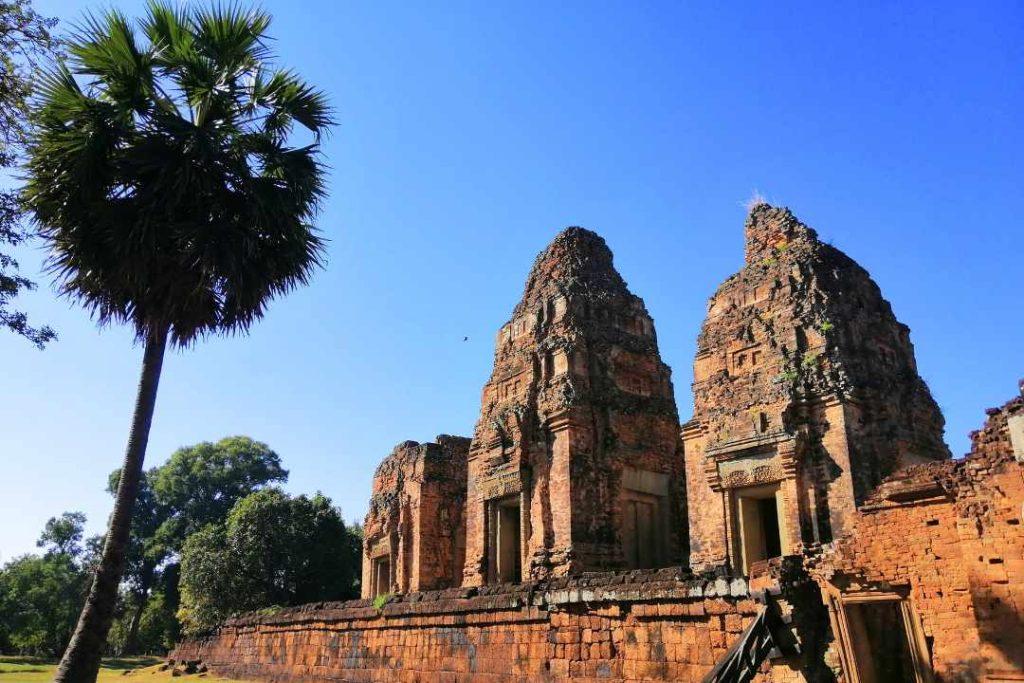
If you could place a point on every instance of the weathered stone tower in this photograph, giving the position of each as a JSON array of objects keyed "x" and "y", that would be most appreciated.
[
  {"x": 414, "y": 535},
  {"x": 575, "y": 463},
  {"x": 806, "y": 395}
]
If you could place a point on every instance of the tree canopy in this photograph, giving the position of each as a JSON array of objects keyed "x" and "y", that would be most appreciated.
[
  {"x": 163, "y": 174},
  {"x": 63, "y": 535},
  {"x": 273, "y": 550},
  {"x": 25, "y": 41},
  {"x": 40, "y": 596},
  {"x": 200, "y": 484},
  {"x": 197, "y": 486}
]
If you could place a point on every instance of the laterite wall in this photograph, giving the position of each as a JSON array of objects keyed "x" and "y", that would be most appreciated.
[{"x": 661, "y": 625}]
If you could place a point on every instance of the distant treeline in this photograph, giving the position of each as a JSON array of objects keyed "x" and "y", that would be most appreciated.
[{"x": 212, "y": 536}]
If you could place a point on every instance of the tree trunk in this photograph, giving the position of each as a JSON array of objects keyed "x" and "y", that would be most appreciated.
[
  {"x": 142, "y": 597},
  {"x": 81, "y": 661}
]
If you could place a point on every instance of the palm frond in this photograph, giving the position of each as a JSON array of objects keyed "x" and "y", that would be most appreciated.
[
  {"x": 288, "y": 97},
  {"x": 230, "y": 35},
  {"x": 193, "y": 221},
  {"x": 105, "y": 47}
]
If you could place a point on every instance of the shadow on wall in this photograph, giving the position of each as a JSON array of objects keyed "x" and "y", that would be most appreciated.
[
  {"x": 1000, "y": 627},
  {"x": 810, "y": 620}
]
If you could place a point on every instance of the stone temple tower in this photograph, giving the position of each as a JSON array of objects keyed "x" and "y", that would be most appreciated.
[
  {"x": 806, "y": 394},
  {"x": 576, "y": 461},
  {"x": 414, "y": 533}
]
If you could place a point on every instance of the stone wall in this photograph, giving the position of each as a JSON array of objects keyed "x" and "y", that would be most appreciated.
[
  {"x": 949, "y": 538},
  {"x": 663, "y": 625}
]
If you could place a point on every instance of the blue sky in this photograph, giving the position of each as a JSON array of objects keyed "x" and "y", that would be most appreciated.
[{"x": 472, "y": 132}]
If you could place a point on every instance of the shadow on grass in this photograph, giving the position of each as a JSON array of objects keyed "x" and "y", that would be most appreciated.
[
  {"x": 117, "y": 663},
  {"x": 17, "y": 659},
  {"x": 130, "y": 662}
]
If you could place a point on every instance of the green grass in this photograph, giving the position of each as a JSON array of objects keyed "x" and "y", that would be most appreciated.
[{"x": 126, "y": 670}]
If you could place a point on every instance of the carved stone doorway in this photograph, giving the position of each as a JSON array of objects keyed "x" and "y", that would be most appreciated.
[{"x": 505, "y": 540}]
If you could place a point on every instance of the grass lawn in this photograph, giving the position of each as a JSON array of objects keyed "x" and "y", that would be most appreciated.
[{"x": 127, "y": 670}]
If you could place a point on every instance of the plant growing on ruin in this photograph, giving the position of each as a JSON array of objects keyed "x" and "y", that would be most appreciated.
[
  {"x": 381, "y": 600},
  {"x": 789, "y": 376},
  {"x": 826, "y": 326},
  {"x": 164, "y": 175}
]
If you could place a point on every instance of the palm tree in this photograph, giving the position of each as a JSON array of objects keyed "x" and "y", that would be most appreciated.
[{"x": 164, "y": 177}]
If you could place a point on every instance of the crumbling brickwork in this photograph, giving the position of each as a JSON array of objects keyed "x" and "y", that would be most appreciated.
[
  {"x": 947, "y": 539},
  {"x": 805, "y": 389},
  {"x": 1002, "y": 436},
  {"x": 575, "y": 462},
  {"x": 414, "y": 534}
]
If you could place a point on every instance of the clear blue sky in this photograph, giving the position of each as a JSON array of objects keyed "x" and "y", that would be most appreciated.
[{"x": 471, "y": 133}]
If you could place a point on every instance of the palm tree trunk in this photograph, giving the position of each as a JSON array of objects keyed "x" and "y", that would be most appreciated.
[{"x": 81, "y": 661}]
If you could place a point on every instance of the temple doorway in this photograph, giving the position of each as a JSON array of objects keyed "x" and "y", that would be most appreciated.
[
  {"x": 640, "y": 532},
  {"x": 381, "y": 576},
  {"x": 880, "y": 638},
  {"x": 757, "y": 521},
  {"x": 505, "y": 541}
]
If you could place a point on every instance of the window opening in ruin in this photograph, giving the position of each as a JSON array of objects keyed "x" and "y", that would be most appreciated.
[
  {"x": 381, "y": 576},
  {"x": 757, "y": 521},
  {"x": 551, "y": 310},
  {"x": 505, "y": 541},
  {"x": 549, "y": 365}
]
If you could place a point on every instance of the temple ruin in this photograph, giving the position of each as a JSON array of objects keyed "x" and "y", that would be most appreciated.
[
  {"x": 806, "y": 524},
  {"x": 575, "y": 463},
  {"x": 414, "y": 534},
  {"x": 806, "y": 395}
]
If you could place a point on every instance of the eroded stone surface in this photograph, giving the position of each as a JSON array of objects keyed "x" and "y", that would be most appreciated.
[
  {"x": 803, "y": 380},
  {"x": 414, "y": 533},
  {"x": 577, "y": 442}
]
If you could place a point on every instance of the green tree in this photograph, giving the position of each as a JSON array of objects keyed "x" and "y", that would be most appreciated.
[
  {"x": 163, "y": 175},
  {"x": 63, "y": 535},
  {"x": 25, "y": 40},
  {"x": 273, "y": 550},
  {"x": 40, "y": 598},
  {"x": 197, "y": 486},
  {"x": 200, "y": 484}
]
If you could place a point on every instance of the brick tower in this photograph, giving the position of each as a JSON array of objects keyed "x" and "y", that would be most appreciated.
[
  {"x": 575, "y": 463},
  {"x": 414, "y": 534},
  {"x": 806, "y": 395}
]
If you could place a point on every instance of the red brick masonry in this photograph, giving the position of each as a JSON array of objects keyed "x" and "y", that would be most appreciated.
[{"x": 660, "y": 625}]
